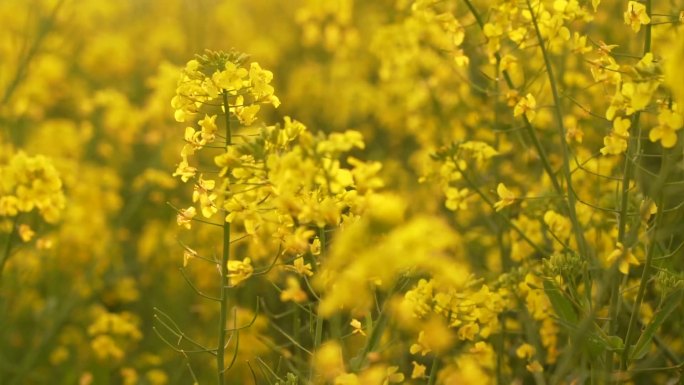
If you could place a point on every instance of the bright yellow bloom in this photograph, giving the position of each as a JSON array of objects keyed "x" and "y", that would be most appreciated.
[
  {"x": 526, "y": 106},
  {"x": 625, "y": 258},
  {"x": 184, "y": 217},
  {"x": 636, "y": 15},
  {"x": 392, "y": 376},
  {"x": 293, "y": 292},
  {"x": 231, "y": 78},
  {"x": 302, "y": 268},
  {"x": 203, "y": 192},
  {"x": 535, "y": 367},
  {"x": 506, "y": 197},
  {"x": 456, "y": 198},
  {"x": 188, "y": 254},
  {"x": 418, "y": 370},
  {"x": 525, "y": 351},
  {"x": 246, "y": 114},
  {"x": 638, "y": 95},
  {"x": 25, "y": 233},
  {"x": 358, "y": 328},
  {"x": 260, "y": 81},
  {"x": 184, "y": 170},
  {"x": 209, "y": 128},
  {"x": 239, "y": 271},
  {"x": 669, "y": 123},
  {"x": 616, "y": 142}
]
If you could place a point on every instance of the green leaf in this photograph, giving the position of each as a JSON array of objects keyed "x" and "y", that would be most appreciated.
[
  {"x": 671, "y": 302},
  {"x": 561, "y": 305}
]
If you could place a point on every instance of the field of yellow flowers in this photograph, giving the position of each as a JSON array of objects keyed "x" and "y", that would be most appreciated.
[{"x": 378, "y": 192}]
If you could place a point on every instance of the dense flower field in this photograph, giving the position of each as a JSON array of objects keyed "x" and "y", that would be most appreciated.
[{"x": 341, "y": 192}]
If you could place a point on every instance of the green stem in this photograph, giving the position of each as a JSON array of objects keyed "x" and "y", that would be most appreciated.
[
  {"x": 318, "y": 333},
  {"x": 225, "y": 282},
  {"x": 8, "y": 246},
  {"x": 533, "y": 135},
  {"x": 372, "y": 342},
  {"x": 572, "y": 199},
  {"x": 665, "y": 170},
  {"x": 433, "y": 371},
  {"x": 635, "y": 132}
]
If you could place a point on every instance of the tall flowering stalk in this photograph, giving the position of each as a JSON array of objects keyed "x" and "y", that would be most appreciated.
[
  {"x": 222, "y": 83},
  {"x": 281, "y": 186}
]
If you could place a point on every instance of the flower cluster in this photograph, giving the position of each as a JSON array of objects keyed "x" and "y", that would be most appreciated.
[{"x": 28, "y": 183}]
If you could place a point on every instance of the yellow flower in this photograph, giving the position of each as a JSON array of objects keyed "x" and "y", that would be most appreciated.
[
  {"x": 419, "y": 347},
  {"x": 230, "y": 79},
  {"x": 613, "y": 145},
  {"x": 203, "y": 193},
  {"x": 418, "y": 370},
  {"x": 525, "y": 351},
  {"x": 392, "y": 376},
  {"x": 535, "y": 367},
  {"x": 456, "y": 198},
  {"x": 293, "y": 292},
  {"x": 526, "y": 106},
  {"x": 188, "y": 254},
  {"x": 356, "y": 324},
  {"x": 626, "y": 258},
  {"x": 239, "y": 271},
  {"x": 616, "y": 142},
  {"x": 260, "y": 81},
  {"x": 302, "y": 268},
  {"x": 621, "y": 127},
  {"x": 669, "y": 122},
  {"x": 506, "y": 197},
  {"x": 246, "y": 114},
  {"x": 209, "y": 128},
  {"x": 184, "y": 170},
  {"x": 636, "y": 15},
  {"x": 468, "y": 331},
  {"x": 638, "y": 94},
  {"x": 25, "y": 233},
  {"x": 184, "y": 217}
]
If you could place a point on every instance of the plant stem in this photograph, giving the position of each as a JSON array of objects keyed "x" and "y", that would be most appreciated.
[
  {"x": 8, "y": 246},
  {"x": 627, "y": 176},
  {"x": 318, "y": 333},
  {"x": 664, "y": 172},
  {"x": 432, "y": 380},
  {"x": 535, "y": 139},
  {"x": 225, "y": 282},
  {"x": 572, "y": 199}
]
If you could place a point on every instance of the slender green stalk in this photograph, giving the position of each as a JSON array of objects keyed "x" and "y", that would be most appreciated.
[
  {"x": 572, "y": 199},
  {"x": 373, "y": 340},
  {"x": 8, "y": 246},
  {"x": 628, "y": 174},
  {"x": 432, "y": 380},
  {"x": 537, "y": 143},
  {"x": 225, "y": 282},
  {"x": 642, "y": 289},
  {"x": 664, "y": 172},
  {"x": 318, "y": 332}
]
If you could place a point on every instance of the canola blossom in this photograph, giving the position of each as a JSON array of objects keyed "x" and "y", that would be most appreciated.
[{"x": 341, "y": 192}]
